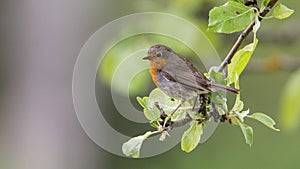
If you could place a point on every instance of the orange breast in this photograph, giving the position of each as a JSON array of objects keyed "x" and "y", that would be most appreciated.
[{"x": 153, "y": 75}]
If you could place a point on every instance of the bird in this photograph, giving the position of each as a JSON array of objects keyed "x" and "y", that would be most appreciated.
[{"x": 177, "y": 77}]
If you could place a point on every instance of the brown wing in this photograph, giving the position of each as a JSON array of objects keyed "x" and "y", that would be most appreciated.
[
  {"x": 187, "y": 79},
  {"x": 206, "y": 83},
  {"x": 182, "y": 71},
  {"x": 167, "y": 76},
  {"x": 190, "y": 80}
]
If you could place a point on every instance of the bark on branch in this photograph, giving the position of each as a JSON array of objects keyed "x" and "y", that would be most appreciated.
[{"x": 243, "y": 36}]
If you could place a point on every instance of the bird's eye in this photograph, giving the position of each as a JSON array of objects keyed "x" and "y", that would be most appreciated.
[{"x": 158, "y": 55}]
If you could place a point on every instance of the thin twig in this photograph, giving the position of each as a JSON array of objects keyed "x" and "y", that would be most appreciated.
[
  {"x": 243, "y": 36},
  {"x": 169, "y": 124}
]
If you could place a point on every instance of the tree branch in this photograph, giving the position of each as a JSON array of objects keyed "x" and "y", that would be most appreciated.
[{"x": 243, "y": 36}]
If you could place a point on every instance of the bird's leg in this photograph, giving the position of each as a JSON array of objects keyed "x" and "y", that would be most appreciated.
[
  {"x": 193, "y": 109},
  {"x": 163, "y": 115},
  {"x": 165, "y": 124},
  {"x": 176, "y": 109}
]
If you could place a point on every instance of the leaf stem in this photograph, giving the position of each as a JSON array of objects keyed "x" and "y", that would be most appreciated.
[{"x": 243, "y": 36}]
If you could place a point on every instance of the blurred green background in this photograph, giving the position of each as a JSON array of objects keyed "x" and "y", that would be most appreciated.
[
  {"x": 262, "y": 86},
  {"x": 39, "y": 128}
]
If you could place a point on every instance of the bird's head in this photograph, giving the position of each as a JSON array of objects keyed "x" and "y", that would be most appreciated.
[{"x": 158, "y": 56}]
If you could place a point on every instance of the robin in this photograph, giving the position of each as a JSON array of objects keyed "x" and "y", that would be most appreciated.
[{"x": 177, "y": 77}]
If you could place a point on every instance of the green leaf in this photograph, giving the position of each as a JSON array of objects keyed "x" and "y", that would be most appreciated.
[
  {"x": 163, "y": 100},
  {"x": 157, "y": 95},
  {"x": 191, "y": 137},
  {"x": 168, "y": 105},
  {"x": 281, "y": 11},
  {"x": 150, "y": 111},
  {"x": 152, "y": 114},
  {"x": 240, "y": 61},
  {"x": 220, "y": 110},
  {"x": 141, "y": 102},
  {"x": 231, "y": 17},
  {"x": 243, "y": 114},
  {"x": 181, "y": 114},
  {"x": 248, "y": 133},
  {"x": 132, "y": 147},
  {"x": 264, "y": 3},
  {"x": 238, "y": 106},
  {"x": 290, "y": 107},
  {"x": 247, "y": 130},
  {"x": 263, "y": 118},
  {"x": 220, "y": 101},
  {"x": 218, "y": 98},
  {"x": 216, "y": 76},
  {"x": 154, "y": 123},
  {"x": 235, "y": 120},
  {"x": 144, "y": 102}
]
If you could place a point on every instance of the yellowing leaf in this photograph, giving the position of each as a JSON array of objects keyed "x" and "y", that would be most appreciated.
[
  {"x": 240, "y": 61},
  {"x": 265, "y": 119},
  {"x": 142, "y": 102},
  {"x": 281, "y": 11},
  {"x": 191, "y": 137}
]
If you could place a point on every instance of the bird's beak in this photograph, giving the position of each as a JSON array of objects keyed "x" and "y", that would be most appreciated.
[{"x": 147, "y": 58}]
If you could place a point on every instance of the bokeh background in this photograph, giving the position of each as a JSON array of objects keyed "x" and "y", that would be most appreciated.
[{"x": 40, "y": 41}]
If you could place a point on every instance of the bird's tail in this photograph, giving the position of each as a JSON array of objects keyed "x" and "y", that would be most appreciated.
[{"x": 226, "y": 88}]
